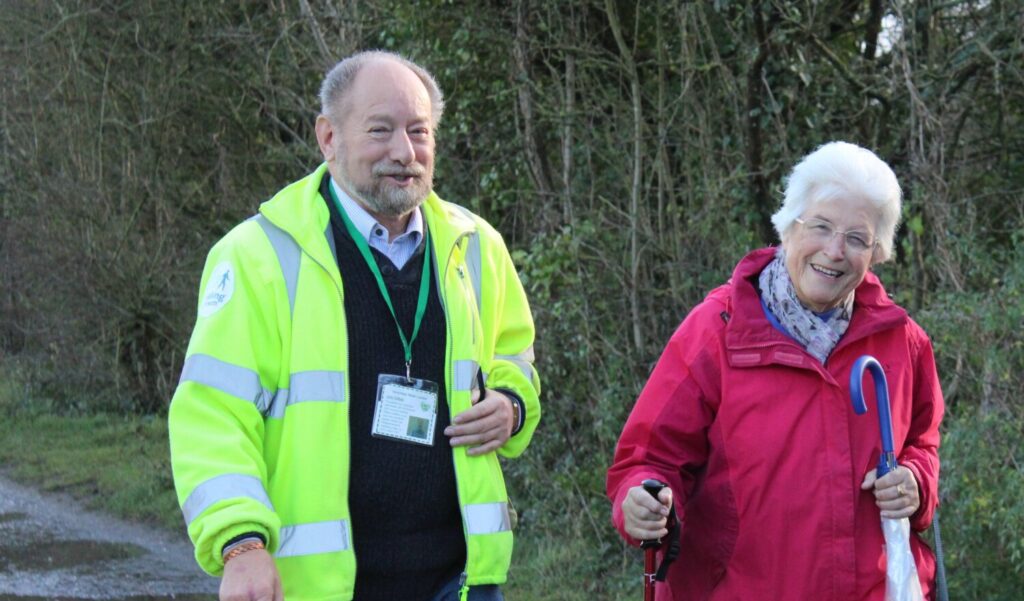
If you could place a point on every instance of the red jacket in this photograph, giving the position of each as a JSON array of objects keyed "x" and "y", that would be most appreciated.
[{"x": 765, "y": 456}]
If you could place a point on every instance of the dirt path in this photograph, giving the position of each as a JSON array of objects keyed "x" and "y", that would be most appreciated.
[{"x": 51, "y": 548}]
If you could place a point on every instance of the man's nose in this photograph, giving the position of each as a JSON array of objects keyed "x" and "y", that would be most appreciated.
[{"x": 402, "y": 150}]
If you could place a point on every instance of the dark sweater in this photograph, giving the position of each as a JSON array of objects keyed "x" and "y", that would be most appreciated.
[{"x": 406, "y": 526}]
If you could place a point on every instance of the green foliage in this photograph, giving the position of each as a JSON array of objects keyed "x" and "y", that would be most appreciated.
[
  {"x": 983, "y": 503},
  {"x": 135, "y": 151},
  {"x": 980, "y": 351}
]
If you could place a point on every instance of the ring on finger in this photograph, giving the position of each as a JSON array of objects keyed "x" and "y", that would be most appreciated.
[{"x": 899, "y": 490}]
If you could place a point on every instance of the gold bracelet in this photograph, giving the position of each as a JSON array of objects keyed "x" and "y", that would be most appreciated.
[{"x": 242, "y": 548}]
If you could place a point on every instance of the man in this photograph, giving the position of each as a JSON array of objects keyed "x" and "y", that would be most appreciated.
[{"x": 363, "y": 350}]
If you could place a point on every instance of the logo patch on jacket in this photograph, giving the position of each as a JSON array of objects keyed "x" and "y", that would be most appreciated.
[{"x": 219, "y": 289}]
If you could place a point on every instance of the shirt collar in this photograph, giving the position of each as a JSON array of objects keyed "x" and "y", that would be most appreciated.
[{"x": 367, "y": 226}]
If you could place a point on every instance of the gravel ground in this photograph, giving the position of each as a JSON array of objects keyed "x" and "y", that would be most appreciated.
[{"x": 51, "y": 548}]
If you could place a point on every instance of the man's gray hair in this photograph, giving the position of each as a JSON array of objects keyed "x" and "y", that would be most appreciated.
[
  {"x": 840, "y": 171},
  {"x": 339, "y": 80}
]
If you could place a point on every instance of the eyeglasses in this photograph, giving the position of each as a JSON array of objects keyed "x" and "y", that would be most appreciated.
[{"x": 824, "y": 231}]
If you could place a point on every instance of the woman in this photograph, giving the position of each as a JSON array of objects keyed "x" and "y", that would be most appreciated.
[{"x": 747, "y": 415}]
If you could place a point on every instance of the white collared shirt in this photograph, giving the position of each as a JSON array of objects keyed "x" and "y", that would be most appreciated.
[{"x": 401, "y": 249}]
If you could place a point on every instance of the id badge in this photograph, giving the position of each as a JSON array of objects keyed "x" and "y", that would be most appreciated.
[{"x": 406, "y": 409}]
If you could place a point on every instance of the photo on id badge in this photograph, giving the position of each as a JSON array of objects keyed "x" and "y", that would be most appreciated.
[{"x": 406, "y": 409}]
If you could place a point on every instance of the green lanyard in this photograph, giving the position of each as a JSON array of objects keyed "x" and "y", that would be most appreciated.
[{"x": 421, "y": 302}]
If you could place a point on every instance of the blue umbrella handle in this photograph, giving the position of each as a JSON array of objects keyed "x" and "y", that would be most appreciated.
[{"x": 887, "y": 460}]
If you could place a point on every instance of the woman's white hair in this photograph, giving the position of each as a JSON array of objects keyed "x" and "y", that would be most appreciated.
[
  {"x": 339, "y": 79},
  {"x": 839, "y": 171}
]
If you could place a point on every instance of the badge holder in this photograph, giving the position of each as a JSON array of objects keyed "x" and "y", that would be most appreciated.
[{"x": 406, "y": 409}]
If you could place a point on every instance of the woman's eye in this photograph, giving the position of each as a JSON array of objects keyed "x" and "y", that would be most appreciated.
[{"x": 858, "y": 240}]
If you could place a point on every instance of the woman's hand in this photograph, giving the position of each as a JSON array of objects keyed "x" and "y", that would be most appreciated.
[
  {"x": 896, "y": 493},
  {"x": 646, "y": 518}
]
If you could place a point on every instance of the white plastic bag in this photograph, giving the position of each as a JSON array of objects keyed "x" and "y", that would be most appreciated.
[{"x": 901, "y": 581}]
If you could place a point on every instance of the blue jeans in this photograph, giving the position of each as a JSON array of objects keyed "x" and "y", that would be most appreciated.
[{"x": 482, "y": 592}]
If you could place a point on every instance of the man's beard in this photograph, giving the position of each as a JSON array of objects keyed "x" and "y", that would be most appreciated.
[{"x": 389, "y": 200}]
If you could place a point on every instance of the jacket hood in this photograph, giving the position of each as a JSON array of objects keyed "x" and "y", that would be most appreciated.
[{"x": 293, "y": 210}]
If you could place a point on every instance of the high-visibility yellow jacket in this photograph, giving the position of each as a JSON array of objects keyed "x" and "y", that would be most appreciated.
[{"x": 259, "y": 421}]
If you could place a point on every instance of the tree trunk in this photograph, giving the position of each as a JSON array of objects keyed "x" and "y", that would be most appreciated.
[
  {"x": 531, "y": 144},
  {"x": 634, "y": 193},
  {"x": 755, "y": 135}
]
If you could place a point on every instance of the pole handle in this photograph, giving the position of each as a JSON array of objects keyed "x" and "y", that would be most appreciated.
[{"x": 653, "y": 487}]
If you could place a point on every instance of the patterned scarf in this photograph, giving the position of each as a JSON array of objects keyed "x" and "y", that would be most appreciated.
[{"x": 819, "y": 336}]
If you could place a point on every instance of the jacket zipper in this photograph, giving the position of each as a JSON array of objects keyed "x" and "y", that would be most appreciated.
[
  {"x": 462, "y": 278},
  {"x": 463, "y": 577}
]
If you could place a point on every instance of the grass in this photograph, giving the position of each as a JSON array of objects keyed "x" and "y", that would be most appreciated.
[
  {"x": 112, "y": 463},
  {"x": 551, "y": 567}
]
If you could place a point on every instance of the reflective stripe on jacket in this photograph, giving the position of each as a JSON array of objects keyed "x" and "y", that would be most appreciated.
[
  {"x": 765, "y": 455},
  {"x": 259, "y": 421}
]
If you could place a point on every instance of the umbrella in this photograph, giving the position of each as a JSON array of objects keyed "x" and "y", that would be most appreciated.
[{"x": 901, "y": 582}]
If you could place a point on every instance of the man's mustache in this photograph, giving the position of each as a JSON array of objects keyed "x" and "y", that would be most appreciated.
[{"x": 411, "y": 171}]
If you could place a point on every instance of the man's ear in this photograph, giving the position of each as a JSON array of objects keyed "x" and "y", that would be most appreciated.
[{"x": 326, "y": 137}]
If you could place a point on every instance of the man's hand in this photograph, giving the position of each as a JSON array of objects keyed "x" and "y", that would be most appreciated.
[
  {"x": 486, "y": 425},
  {"x": 251, "y": 576}
]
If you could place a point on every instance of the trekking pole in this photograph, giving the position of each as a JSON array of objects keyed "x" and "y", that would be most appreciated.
[{"x": 650, "y": 547}]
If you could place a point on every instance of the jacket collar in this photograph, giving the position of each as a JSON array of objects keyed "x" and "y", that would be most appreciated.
[
  {"x": 873, "y": 310},
  {"x": 299, "y": 210},
  {"x": 447, "y": 223}
]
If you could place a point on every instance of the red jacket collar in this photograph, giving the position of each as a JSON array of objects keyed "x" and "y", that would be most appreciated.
[{"x": 873, "y": 310}]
